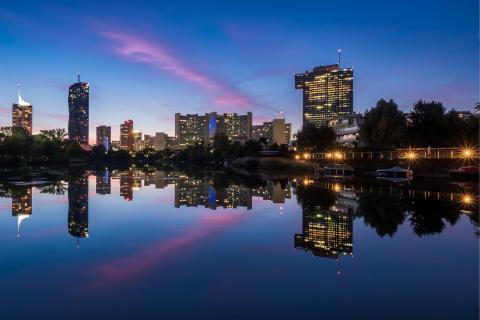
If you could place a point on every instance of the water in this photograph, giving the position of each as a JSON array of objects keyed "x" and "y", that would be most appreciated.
[{"x": 170, "y": 245}]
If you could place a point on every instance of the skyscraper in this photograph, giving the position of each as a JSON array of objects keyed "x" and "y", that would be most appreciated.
[
  {"x": 126, "y": 135},
  {"x": 327, "y": 93},
  {"x": 78, "y": 106},
  {"x": 22, "y": 114},
  {"x": 104, "y": 136}
]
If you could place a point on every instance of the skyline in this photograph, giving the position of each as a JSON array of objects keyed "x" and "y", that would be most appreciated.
[{"x": 228, "y": 60}]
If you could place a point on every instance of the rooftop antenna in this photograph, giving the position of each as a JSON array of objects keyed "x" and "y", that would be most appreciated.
[
  {"x": 339, "y": 51},
  {"x": 78, "y": 77}
]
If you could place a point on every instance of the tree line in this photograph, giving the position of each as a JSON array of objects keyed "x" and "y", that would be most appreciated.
[{"x": 386, "y": 127}]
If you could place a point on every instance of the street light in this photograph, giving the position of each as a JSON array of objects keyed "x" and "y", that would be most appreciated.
[
  {"x": 467, "y": 153},
  {"x": 411, "y": 155}
]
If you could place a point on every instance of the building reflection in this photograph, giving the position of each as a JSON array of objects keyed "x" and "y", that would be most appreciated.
[
  {"x": 78, "y": 207},
  {"x": 22, "y": 206},
  {"x": 327, "y": 221},
  {"x": 193, "y": 192},
  {"x": 126, "y": 185},
  {"x": 326, "y": 233},
  {"x": 103, "y": 183}
]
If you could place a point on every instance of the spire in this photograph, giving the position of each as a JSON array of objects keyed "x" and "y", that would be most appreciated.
[
  {"x": 78, "y": 77},
  {"x": 339, "y": 51},
  {"x": 21, "y": 102}
]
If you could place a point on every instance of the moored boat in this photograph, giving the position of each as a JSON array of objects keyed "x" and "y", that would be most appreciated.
[
  {"x": 466, "y": 173},
  {"x": 395, "y": 174}
]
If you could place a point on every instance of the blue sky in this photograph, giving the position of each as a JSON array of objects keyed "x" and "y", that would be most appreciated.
[{"x": 147, "y": 60}]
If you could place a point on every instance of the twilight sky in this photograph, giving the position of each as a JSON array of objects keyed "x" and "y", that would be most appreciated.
[{"x": 146, "y": 60}]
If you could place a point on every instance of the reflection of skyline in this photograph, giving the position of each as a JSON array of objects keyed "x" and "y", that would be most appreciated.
[
  {"x": 326, "y": 232},
  {"x": 327, "y": 220},
  {"x": 78, "y": 207},
  {"x": 22, "y": 207},
  {"x": 103, "y": 183}
]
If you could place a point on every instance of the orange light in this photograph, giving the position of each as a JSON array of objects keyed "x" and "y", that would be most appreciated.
[
  {"x": 467, "y": 153},
  {"x": 297, "y": 157},
  {"x": 411, "y": 155}
]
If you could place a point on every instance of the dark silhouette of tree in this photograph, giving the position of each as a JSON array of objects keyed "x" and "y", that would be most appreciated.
[
  {"x": 427, "y": 125},
  {"x": 310, "y": 196},
  {"x": 382, "y": 213},
  {"x": 311, "y": 138},
  {"x": 428, "y": 217},
  {"x": 383, "y": 126}
]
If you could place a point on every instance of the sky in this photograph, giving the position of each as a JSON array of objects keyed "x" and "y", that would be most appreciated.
[{"x": 146, "y": 60}]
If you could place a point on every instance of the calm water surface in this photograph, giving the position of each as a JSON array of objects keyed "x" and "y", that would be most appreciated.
[{"x": 167, "y": 245}]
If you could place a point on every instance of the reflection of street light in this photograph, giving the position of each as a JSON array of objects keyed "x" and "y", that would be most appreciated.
[{"x": 467, "y": 199}]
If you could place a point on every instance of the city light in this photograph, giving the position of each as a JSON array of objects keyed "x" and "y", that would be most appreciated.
[
  {"x": 338, "y": 155},
  {"x": 297, "y": 157},
  {"x": 467, "y": 153},
  {"x": 411, "y": 155},
  {"x": 306, "y": 156}
]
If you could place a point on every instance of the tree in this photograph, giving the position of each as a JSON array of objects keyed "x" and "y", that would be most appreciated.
[
  {"x": 383, "y": 126},
  {"x": 311, "y": 138},
  {"x": 427, "y": 125},
  {"x": 54, "y": 135}
]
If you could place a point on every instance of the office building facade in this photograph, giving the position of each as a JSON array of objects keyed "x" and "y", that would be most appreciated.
[
  {"x": 22, "y": 114},
  {"x": 104, "y": 136},
  {"x": 327, "y": 93},
  {"x": 275, "y": 131},
  {"x": 78, "y": 116},
  {"x": 126, "y": 135}
]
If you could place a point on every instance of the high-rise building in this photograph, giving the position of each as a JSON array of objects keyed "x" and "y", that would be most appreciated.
[
  {"x": 126, "y": 135},
  {"x": 288, "y": 133},
  {"x": 104, "y": 136},
  {"x": 148, "y": 141},
  {"x": 78, "y": 207},
  {"x": 275, "y": 131},
  {"x": 191, "y": 129},
  {"x": 137, "y": 140},
  {"x": 235, "y": 127},
  {"x": 327, "y": 93},
  {"x": 160, "y": 141},
  {"x": 78, "y": 107},
  {"x": 22, "y": 114}
]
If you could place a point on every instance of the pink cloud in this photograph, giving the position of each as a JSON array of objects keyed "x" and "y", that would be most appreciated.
[
  {"x": 123, "y": 269},
  {"x": 155, "y": 55},
  {"x": 158, "y": 56}
]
